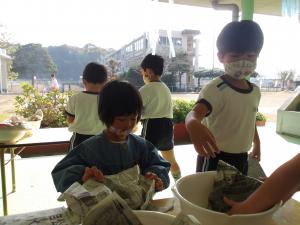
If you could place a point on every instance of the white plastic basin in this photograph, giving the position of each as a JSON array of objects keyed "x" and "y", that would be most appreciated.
[
  {"x": 154, "y": 218},
  {"x": 9, "y": 135},
  {"x": 193, "y": 191}
]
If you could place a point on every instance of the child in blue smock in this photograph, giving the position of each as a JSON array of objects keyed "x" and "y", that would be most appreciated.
[{"x": 116, "y": 149}]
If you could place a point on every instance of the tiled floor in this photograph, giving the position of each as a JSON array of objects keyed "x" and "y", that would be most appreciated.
[{"x": 35, "y": 190}]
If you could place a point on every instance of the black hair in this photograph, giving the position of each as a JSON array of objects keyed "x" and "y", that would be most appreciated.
[
  {"x": 119, "y": 98},
  {"x": 153, "y": 62},
  {"x": 240, "y": 37},
  {"x": 94, "y": 73}
]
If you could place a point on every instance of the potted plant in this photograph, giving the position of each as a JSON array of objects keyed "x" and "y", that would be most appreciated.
[
  {"x": 180, "y": 109},
  {"x": 260, "y": 119}
]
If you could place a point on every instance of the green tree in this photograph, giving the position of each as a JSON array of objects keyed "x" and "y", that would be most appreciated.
[
  {"x": 12, "y": 76},
  {"x": 285, "y": 76},
  {"x": 113, "y": 68},
  {"x": 179, "y": 65},
  {"x": 207, "y": 73},
  {"x": 70, "y": 61},
  {"x": 170, "y": 80},
  {"x": 134, "y": 77},
  {"x": 33, "y": 59},
  {"x": 4, "y": 37}
]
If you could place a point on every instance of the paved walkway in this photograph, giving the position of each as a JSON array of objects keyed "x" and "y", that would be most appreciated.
[{"x": 35, "y": 190}]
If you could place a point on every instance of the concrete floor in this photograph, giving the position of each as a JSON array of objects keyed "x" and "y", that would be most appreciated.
[{"x": 35, "y": 189}]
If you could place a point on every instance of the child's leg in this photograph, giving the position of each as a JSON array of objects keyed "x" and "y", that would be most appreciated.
[{"x": 175, "y": 169}]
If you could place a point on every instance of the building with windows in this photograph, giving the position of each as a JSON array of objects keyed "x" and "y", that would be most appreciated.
[
  {"x": 4, "y": 59},
  {"x": 185, "y": 41}
]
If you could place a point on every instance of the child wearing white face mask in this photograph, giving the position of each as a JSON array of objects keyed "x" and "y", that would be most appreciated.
[
  {"x": 158, "y": 110},
  {"x": 116, "y": 149},
  {"x": 222, "y": 122}
]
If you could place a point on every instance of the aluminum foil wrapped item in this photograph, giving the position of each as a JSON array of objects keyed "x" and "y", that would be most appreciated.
[{"x": 231, "y": 183}]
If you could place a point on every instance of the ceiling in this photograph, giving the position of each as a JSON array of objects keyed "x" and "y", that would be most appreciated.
[{"x": 268, "y": 7}]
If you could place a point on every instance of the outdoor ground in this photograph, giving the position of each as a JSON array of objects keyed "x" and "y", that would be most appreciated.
[{"x": 270, "y": 102}]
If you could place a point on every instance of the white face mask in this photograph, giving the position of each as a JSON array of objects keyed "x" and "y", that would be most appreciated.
[
  {"x": 240, "y": 69},
  {"x": 119, "y": 132}
]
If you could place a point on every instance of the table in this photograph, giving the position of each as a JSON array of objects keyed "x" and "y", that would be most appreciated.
[
  {"x": 39, "y": 137},
  {"x": 288, "y": 214}
]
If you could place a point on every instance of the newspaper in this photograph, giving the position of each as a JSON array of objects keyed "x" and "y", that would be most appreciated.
[
  {"x": 231, "y": 183},
  {"x": 182, "y": 219},
  {"x": 112, "y": 210},
  {"x": 56, "y": 216},
  {"x": 80, "y": 198},
  {"x": 134, "y": 188}
]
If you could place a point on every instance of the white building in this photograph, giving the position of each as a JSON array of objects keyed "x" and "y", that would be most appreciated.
[
  {"x": 183, "y": 41},
  {"x": 4, "y": 59}
]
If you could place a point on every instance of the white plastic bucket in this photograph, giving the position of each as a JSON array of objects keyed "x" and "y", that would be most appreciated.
[
  {"x": 154, "y": 218},
  {"x": 193, "y": 191}
]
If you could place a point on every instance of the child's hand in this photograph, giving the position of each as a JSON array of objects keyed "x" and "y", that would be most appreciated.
[
  {"x": 158, "y": 182},
  {"x": 93, "y": 173},
  {"x": 205, "y": 144},
  {"x": 237, "y": 207}
]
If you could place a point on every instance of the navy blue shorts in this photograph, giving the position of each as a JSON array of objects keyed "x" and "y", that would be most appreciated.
[
  {"x": 239, "y": 161},
  {"x": 159, "y": 132}
]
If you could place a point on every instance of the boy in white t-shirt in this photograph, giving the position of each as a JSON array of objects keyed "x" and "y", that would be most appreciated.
[
  {"x": 222, "y": 122},
  {"x": 158, "y": 111},
  {"x": 82, "y": 108}
]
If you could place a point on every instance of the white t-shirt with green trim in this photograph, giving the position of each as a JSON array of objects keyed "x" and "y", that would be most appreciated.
[
  {"x": 232, "y": 113},
  {"x": 84, "y": 107},
  {"x": 157, "y": 101}
]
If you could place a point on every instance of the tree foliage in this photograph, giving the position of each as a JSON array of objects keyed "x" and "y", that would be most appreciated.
[
  {"x": 169, "y": 79},
  {"x": 207, "y": 73},
  {"x": 179, "y": 65},
  {"x": 285, "y": 76},
  {"x": 134, "y": 77},
  {"x": 70, "y": 61},
  {"x": 112, "y": 65},
  {"x": 33, "y": 59}
]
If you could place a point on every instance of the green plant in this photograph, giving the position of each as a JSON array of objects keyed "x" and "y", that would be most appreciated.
[
  {"x": 52, "y": 104},
  {"x": 180, "y": 109},
  {"x": 260, "y": 117}
]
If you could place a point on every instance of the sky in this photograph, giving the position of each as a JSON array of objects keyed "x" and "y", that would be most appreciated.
[{"x": 114, "y": 23}]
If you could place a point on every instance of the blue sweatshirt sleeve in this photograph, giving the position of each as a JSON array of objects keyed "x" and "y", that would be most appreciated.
[
  {"x": 70, "y": 169},
  {"x": 151, "y": 161}
]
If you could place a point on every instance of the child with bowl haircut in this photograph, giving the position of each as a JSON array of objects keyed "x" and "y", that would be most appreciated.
[
  {"x": 82, "y": 108},
  {"x": 116, "y": 149}
]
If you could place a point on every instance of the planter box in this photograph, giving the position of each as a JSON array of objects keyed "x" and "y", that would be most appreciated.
[
  {"x": 43, "y": 150},
  {"x": 181, "y": 136},
  {"x": 260, "y": 123}
]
